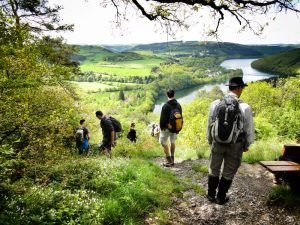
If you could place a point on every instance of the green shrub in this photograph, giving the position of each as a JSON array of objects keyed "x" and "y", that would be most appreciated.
[
  {"x": 89, "y": 191},
  {"x": 263, "y": 129},
  {"x": 288, "y": 123},
  {"x": 281, "y": 195},
  {"x": 47, "y": 205}
]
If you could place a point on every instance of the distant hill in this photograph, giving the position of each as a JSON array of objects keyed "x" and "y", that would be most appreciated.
[
  {"x": 195, "y": 48},
  {"x": 285, "y": 63},
  {"x": 94, "y": 53},
  {"x": 120, "y": 53},
  {"x": 118, "y": 48},
  {"x": 91, "y": 53}
]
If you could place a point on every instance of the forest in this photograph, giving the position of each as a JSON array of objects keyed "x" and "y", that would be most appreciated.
[
  {"x": 47, "y": 86},
  {"x": 285, "y": 63}
]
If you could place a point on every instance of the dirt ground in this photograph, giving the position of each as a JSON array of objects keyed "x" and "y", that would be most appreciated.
[{"x": 248, "y": 200}]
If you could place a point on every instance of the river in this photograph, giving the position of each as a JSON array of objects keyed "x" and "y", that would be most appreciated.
[{"x": 189, "y": 94}]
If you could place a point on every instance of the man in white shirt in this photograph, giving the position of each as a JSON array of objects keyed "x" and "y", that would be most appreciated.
[{"x": 229, "y": 150}]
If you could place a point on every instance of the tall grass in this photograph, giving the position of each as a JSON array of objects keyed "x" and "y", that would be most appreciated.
[
  {"x": 200, "y": 168},
  {"x": 89, "y": 191},
  {"x": 260, "y": 150},
  {"x": 268, "y": 149}
]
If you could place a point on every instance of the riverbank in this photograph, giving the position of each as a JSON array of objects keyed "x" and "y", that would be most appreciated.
[{"x": 249, "y": 75}]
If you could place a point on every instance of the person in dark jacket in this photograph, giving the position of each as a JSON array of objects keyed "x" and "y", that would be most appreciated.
[
  {"x": 108, "y": 133},
  {"x": 132, "y": 133},
  {"x": 165, "y": 133}
]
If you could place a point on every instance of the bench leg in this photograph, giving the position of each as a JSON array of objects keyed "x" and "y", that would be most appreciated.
[{"x": 293, "y": 180}]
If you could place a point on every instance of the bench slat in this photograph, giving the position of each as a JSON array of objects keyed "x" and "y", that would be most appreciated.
[
  {"x": 284, "y": 168},
  {"x": 278, "y": 163}
]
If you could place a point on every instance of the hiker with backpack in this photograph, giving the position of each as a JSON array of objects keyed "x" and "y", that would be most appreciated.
[
  {"x": 171, "y": 122},
  {"x": 82, "y": 137},
  {"x": 132, "y": 133},
  {"x": 110, "y": 126},
  {"x": 155, "y": 130},
  {"x": 230, "y": 132}
]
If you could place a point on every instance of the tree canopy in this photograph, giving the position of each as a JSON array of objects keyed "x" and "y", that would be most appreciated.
[
  {"x": 34, "y": 14},
  {"x": 176, "y": 12},
  {"x": 35, "y": 102}
]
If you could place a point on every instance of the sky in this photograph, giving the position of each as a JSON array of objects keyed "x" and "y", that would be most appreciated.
[{"x": 94, "y": 25}]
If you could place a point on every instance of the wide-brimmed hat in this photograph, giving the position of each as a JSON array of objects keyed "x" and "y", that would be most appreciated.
[{"x": 236, "y": 82}]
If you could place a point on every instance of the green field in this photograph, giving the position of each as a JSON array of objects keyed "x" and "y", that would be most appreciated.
[
  {"x": 96, "y": 86},
  {"x": 101, "y": 60},
  {"x": 91, "y": 86},
  {"x": 128, "y": 68}
]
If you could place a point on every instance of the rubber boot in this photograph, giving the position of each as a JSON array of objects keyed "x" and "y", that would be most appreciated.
[
  {"x": 172, "y": 157},
  {"x": 168, "y": 162},
  {"x": 213, "y": 183},
  {"x": 224, "y": 186}
]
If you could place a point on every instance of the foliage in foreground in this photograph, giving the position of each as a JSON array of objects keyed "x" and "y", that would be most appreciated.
[
  {"x": 88, "y": 191},
  {"x": 281, "y": 195}
]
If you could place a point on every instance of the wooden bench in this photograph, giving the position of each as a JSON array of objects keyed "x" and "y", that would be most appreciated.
[
  {"x": 287, "y": 167},
  {"x": 281, "y": 166}
]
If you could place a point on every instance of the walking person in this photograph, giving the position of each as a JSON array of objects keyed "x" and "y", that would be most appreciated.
[
  {"x": 132, "y": 133},
  {"x": 108, "y": 133},
  {"x": 171, "y": 122},
  {"x": 230, "y": 132},
  {"x": 155, "y": 130},
  {"x": 82, "y": 137}
]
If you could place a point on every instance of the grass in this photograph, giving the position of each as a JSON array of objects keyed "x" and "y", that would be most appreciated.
[
  {"x": 90, "y": 191},
  {"x": 193, "y": 186},
  {"x": 128, "y": 68},
  {"x": 197, "y": 167},
  {"x": 268, "y": 149},
  {"x": 281, "y": 195},
  {"x": 96, "y": 86},
  {"x": 260, "y": 150},
  {"x": 94, "y": 60},
  {"x": 91, "y": 86},
  {"x": 112, "y": 83},
  {"x": 146, "y": 53}
]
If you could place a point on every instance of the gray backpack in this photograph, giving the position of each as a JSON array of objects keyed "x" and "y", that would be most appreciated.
[
  {"x": 79, "y": 136},
  {"x": 227, "y": 123}
]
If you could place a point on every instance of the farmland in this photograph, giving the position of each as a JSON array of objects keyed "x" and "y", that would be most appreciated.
[
  {"x": 128, "y": 68},
  {"x": 101, "y": 60}
]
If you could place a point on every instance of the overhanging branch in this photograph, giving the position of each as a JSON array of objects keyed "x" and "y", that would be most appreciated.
[{"x": 232, "y": 7}]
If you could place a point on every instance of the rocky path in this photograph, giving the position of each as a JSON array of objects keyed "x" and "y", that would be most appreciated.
[{"x": 247, "y": 205}]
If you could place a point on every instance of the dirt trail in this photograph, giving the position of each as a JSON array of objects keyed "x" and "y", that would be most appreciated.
[{"x": 247, "y": 204}]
